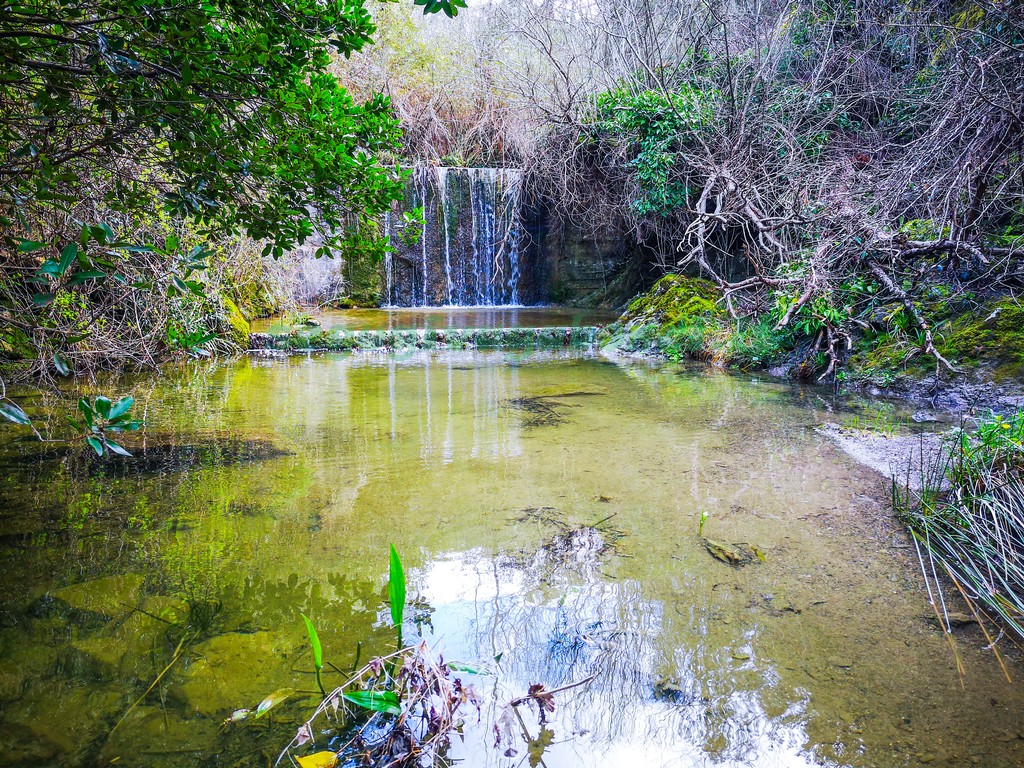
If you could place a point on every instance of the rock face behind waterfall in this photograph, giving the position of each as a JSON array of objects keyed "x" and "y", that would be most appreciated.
[{"x": 470, "y": 250}]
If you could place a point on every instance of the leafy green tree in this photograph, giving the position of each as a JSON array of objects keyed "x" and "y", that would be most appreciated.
[
  {"x": 115, "y": 114},
  {"x": 223, "y": 112}
]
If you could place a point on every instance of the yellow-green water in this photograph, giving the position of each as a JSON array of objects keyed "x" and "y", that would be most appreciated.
[
  {"x": 446, "y": 317},
  {"x": 266, "y": 487}
]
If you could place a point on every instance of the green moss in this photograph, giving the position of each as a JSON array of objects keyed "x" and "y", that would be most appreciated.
[
  {"x": 880, "y": 358},
  {"x": 364, "y": 282},
  {"x": 991, "y": 339},
  {"x": 237, "y": 329},
  {"x": 674, "y": 298},
  {"x": 16, "y": 345}
]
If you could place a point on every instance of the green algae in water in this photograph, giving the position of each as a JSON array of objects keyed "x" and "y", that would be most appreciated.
[{"x": 105, "y": 573}]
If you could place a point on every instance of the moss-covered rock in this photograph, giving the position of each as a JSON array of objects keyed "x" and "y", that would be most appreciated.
[
  {"x": 674, "y": 299},
  {"x": 340, "y": 340},
  {"x": 680, "y": 317},
  {"x": 989, "y": 341},
  {"x": 110, "y": 596},
  {"x": 675, "y": 317},
  {"x": 233, "y": 670},
  {"x": 236, "y": 327},
  {"x": 16, "y": 345}
]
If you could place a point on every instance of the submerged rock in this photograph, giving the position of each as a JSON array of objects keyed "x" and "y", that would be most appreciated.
[
  {"x": 135, "y": 647},
  {"x": 19, "y": 747},
  {"x": 12, "y": 681},
  {"x": 736, "y": 555},
  {"x": 155, "y": 729},
  {"x": 111, "y": 596},
  {"x": 233, "y": 670}
]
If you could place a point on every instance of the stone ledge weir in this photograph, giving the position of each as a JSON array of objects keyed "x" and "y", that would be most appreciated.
[{"x": 338, "y": 340}]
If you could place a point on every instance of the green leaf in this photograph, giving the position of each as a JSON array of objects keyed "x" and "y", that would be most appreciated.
[
  {"x": 120, "y": 408},
  {"x": 102, "y": 232},
  {"x": 396, "y": 587},
  {"x": 377, "y": 701},
  {"x": 50, "y": 267},
  {"x": 80, "y": 277},
  {"x": 27, "y": 246},
  {"x": 459, "y": 666},
  {"x": 314, "y": 640},
  {"x": 102, "y": 406},
  {"x": 87, "y": 411},
  {"x": 116, "y": 448},
  {"x": 61, "y": 364},
  {"x": 67, "y": 256},
  {"x": 123, "y": 424},
  {"x": 96, "y": 443},
  {"x": 43, "y": 299},
  {"x": 11, "y": 412}
]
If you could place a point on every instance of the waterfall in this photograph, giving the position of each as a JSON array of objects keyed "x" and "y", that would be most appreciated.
[
  {"x": 442, "y": 188},
  {"x": 468, "y": 252},
  {"x": 422, "y": 186}
]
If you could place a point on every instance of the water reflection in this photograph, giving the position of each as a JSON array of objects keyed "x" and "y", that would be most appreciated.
[
  {"x": 648, "y": 704},
  {"x": 402, "y": 318}
]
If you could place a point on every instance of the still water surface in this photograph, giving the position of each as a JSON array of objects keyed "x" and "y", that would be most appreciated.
[
  {"x": 448, "y": 317},
  {"x": 546, "y": 506}
]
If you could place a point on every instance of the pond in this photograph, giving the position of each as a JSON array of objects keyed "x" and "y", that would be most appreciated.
[
  {"x": 448, "y": 317},
  {"x": 546, "y": 505}
]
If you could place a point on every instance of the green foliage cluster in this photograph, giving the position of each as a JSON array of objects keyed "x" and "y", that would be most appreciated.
[
  {"x": 655, "y": 126},
  {"x": 231, "y": 104},
  {"x": 996, "y": 447}
]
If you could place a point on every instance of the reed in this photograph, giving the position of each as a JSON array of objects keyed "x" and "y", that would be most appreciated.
[{"x": 966, "y": 512}]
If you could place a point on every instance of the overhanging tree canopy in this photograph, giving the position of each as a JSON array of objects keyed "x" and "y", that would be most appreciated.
[{"x": 221, "y": 111}]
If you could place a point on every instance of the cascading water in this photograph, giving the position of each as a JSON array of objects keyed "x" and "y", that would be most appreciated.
[{"x": 468, "y": 252}]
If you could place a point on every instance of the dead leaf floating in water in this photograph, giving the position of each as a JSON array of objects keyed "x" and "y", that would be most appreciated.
[{"x": 736, "y": 555}]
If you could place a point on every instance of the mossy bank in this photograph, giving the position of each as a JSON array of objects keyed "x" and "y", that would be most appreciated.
[{"x": 982, "y": 338}]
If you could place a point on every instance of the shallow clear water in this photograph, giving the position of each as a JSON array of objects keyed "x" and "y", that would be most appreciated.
[
  {"x": 398, "y": 318},
  {"x": 546, "y": 506}
]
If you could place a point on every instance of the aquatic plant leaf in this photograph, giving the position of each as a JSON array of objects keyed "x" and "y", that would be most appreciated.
[
  {"x": 318, "y": 760},
  {"x": 121, "y": 407},
  {"x": 236, "y": 717},
  {"x": 13, "y": 413},
  {"x": 103, "y": 406},
  {"x": 116, "y": 448},
  {"x": 273, "y": 700},
  {"x": 378, "y": 701},
  {"x": 87, "y": 411},
  {"x": 314, "y": 640},
  {"x": 396, "y": 587},
  {"x": 459, "y": 666},
  {"x": 96, "y": 444}
]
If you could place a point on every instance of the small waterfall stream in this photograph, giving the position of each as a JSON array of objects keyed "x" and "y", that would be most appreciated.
[{"x": 468, "y": 252}]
